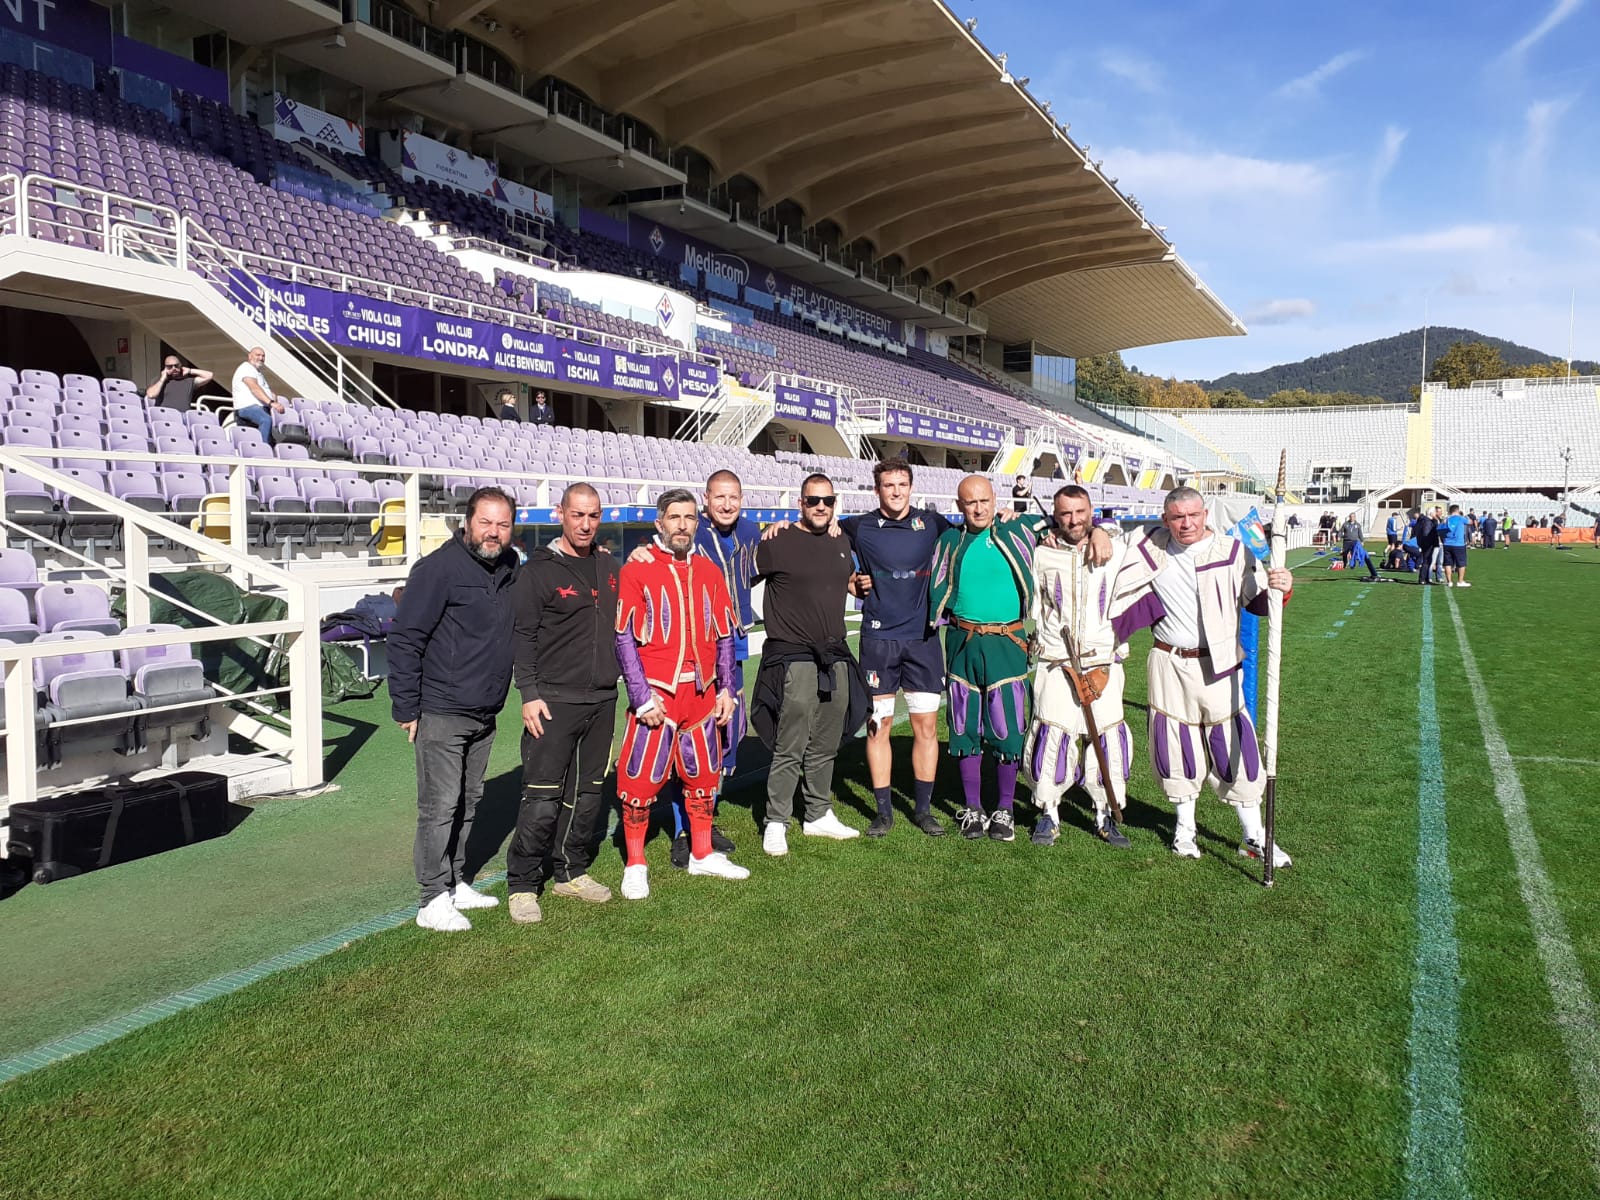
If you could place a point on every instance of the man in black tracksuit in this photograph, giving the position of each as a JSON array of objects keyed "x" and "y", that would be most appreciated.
[
  {"x": 449, "y": 670},
  {"x": 566, "y": 669}
]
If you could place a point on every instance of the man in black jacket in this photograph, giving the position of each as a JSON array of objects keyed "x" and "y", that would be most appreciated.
[
  {"x": 1426, "y": 530},
  {"x": 449, "y": 671},
  {"x": 805, "y": 666},
  {"x": 566, "y": 671}
]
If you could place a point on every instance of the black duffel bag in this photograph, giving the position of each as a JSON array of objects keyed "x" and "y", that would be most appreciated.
[{"x": 83, "y": 831}]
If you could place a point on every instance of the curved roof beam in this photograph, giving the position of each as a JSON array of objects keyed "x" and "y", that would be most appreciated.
[
  {"x": 749, "y": 147},
  {"x": 870, "y": 217},
  {"x": 686, "y": 123},
  {"x": 824, "y": 160},
  {"x": 572, "y": 32},
  {"x": 1051, "y": 267},
  {"x": 994, "y": 249},
  {"x": 1040, "y": 214},
  {"x": 632, "y": 83},
  {"x": 898, "y": 235},
  {"x": 900, "y": 171},
  {"x": 453, "y": 14},
  {"x": 1125, "y": 244}
]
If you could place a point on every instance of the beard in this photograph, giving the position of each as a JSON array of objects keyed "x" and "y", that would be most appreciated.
[{"x": 481, "y": 549}]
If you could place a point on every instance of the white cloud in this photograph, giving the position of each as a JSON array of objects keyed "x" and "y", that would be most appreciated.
[
  {"x": 1185, "y": 176},
  {"x": 1136, "y": 69},
  {"x": 1281, "y": 312},
  {"x": 1558, "y": 13},
  {"x": 1309, "y": 84},
  {"x": 1388, "y": 154},
  {"x": 1457, "y": 239},
  {"x": 1541, "y": 120}
]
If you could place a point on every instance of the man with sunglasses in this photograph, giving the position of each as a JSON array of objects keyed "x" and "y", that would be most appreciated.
[
  {"x": 175, "y": 386},
  {"x": 803, "y": 692}
]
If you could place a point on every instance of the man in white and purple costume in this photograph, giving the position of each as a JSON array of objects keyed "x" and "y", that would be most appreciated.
[{"x": 1189, "y": 583}]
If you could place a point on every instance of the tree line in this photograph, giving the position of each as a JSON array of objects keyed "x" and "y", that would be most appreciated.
[{"x": 1107, "y": 379}]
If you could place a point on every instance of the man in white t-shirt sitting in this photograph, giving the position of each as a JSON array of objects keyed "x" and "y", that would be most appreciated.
[{"x": 253, "y": 402}]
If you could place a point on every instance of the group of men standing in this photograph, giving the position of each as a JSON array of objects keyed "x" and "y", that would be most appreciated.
[{"x": 672, "y": 623}]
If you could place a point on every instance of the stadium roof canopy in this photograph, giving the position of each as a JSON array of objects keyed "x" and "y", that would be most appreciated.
[{"x": 887, "y": 117}]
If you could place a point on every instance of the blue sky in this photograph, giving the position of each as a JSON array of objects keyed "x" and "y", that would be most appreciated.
[{"x": 1332, "y": 171}]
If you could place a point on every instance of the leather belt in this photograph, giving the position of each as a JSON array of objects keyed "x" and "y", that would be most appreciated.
[
  {"x": 1008, "y": 629},
  {"x": 1179, "y": 652}
]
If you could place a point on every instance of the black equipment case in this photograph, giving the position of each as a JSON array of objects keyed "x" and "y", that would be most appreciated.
[{"x": 82, "y": 831}]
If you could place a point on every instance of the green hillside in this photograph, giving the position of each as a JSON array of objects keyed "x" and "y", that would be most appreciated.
[{"x": 1389, "y": 367}]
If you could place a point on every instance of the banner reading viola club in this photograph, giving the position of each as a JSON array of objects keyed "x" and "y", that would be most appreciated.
[
  {"x": 802, "y": 404},
  {"x": 362, "y": 323},
  {"x": 925, "y": 428}
]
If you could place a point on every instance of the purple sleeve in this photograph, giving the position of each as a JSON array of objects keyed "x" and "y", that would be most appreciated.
[
  {"x": 727, "y": 669},
  {"x": 639, "y": 691}
]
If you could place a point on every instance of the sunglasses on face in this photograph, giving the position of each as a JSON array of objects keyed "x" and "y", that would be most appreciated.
[{"x": 813, "y": 501}]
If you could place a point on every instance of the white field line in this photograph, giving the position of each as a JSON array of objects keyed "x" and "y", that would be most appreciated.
[{"x": 1575, "y": 1014}]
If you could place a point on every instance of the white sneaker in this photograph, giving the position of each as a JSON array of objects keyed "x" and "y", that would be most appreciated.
[
  {"x": 718, "y": 865},
  {"x": 1463, "y": 583},
  {"x": 635, "y": 882},
  {"x": 775, "y": 839},
  {"x": 440, "y": 914},
  {"x": 1449, "y": 583},
  {"x": 466, "y": 896},
  {"x": 829, "y": 826},
  {"x": 1250, "y": 848},
  {"x": 1185, "y": 848}
]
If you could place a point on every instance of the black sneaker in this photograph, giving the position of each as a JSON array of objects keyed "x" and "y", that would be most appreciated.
[
  {"x": 881, "y": 825},
  {"x": 1002, "y": 828},
  {"x": 1045, "y": 831},
  {"x": 972, "y": 823},
  {"x": 680, "y": 852},
  {"x": 721, "y": 842},
  {"x": 929, "y": 824},
  {"x": 1106, "y": 830}
]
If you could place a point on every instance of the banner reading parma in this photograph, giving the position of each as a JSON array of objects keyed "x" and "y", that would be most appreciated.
[
  {"x": 923, "y": 427},
  {"x": 363, "y": 323}
]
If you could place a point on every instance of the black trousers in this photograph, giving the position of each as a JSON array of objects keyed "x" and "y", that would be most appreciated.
[{"x": 563, "y": 771}]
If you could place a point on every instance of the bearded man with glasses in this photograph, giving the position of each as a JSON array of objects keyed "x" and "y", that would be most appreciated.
[
  {"x": 175, "y": 386},
  {"x": 809, "y": 693}
]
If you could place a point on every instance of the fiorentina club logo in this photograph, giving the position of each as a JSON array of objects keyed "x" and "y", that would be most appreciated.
[
  {"x": 772, "y": 283},
  {"x": 664, "y": 310},
  {"x": 668, "y": 379},
  {"x": 656, "y": 240},
  {"x": 451, "y": 158}
]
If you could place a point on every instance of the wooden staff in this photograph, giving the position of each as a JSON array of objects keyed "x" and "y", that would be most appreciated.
[{"x": 1277, "y": 538}]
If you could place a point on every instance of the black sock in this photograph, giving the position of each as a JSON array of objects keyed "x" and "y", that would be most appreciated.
[
  {"x": 885, "y": 808},
  {"x": 924, "y": 796}
]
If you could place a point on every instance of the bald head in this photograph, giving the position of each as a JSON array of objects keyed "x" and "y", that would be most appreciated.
[{"x": 975, "y": 497}]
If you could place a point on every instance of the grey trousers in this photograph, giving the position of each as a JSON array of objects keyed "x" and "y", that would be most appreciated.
[
  {"x": 452, "y": 755},
  {"x": 807, "y": 742}
]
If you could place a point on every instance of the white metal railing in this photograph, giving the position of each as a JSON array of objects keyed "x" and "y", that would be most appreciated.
[
  {"x": 300, "y": 628},
  {"x": 462, "y": 242}
]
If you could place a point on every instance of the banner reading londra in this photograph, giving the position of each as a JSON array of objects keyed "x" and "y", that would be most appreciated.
[{"x": 363, "y": 323}]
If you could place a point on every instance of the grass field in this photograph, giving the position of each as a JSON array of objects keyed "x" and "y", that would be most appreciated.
[{"x": 1409, "y": 1013}]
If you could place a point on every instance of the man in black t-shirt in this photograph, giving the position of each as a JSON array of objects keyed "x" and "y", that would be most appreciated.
[
  {"x": 807, "y": 575},
  {"x": 175, "y": 386}
]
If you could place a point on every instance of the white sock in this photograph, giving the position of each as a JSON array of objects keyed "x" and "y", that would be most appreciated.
[
  {"x": 1250, "y": 823},
  {"x": 1185, "y": 811}
]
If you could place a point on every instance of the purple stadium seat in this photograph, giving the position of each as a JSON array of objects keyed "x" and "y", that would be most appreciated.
[
  {"x": 74, "y": 606},
  {"x": 16, "y": 621},
  {"x": 287, "y": 515},
  {"x": 84, "y": 682},
  {"x": 168, "y": 675}
]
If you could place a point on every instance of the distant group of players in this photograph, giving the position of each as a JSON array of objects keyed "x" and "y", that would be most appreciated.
[{"x": 1017, "y": 624}]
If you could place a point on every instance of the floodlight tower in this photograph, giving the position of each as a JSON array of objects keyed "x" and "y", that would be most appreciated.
[{"x": 1566, "y": 475}]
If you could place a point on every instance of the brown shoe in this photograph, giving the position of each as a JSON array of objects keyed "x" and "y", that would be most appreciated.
[
  {"x": 524, "y": 907},
  {"x": 583, "y": 888}
]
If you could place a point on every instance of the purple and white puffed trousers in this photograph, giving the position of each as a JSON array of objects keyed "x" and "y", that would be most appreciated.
[
  {"x": 1200, "y": 732},
  {"x": 1058, "y": 756}
]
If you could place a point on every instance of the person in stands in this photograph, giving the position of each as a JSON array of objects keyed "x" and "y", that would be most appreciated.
[
  {"x": 541, "y": 413},
  {"x": 253, "y": 401},
  {"x": 506, "y": 404},
  {"x": 175, "y": 386}
]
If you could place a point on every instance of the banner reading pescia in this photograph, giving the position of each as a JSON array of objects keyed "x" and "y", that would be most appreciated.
[
  {"x": 924, "y": 428},
  {"x": 366, "y": 324},
  {"x": 293, "y": 121}
]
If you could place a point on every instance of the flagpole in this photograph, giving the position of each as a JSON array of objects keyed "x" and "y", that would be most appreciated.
[{"x": 1277, "y": 540}]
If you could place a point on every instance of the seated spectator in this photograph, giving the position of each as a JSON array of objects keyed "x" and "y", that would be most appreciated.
[
  {"x": 175, "y": 386},
  {"x": 507, "y": 402},
  {"x": 253, "y": 402}
]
